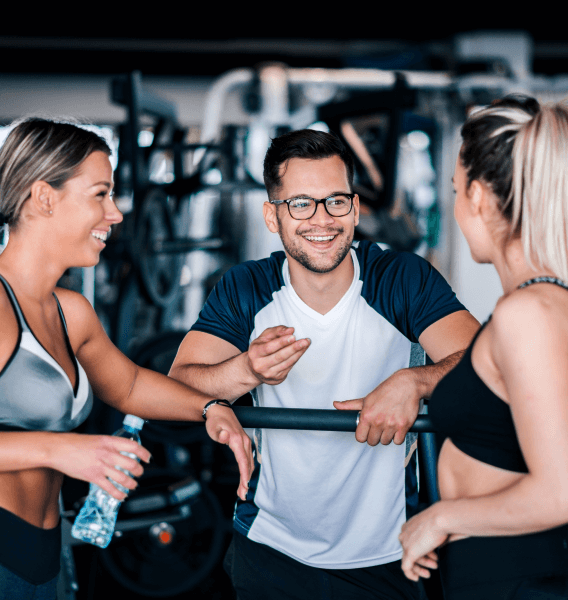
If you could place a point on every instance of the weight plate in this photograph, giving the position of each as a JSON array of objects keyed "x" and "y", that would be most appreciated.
[{"x": 160, "y": 272}]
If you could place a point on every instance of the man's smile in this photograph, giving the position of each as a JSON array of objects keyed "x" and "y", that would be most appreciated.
[{"x": 319, "y": 238}]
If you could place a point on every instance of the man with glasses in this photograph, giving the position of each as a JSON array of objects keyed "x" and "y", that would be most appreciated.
[{"x": 327, "y": 320}]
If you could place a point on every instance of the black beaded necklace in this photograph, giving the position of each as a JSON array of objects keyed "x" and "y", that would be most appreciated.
[{"x": 544, "y": 279}]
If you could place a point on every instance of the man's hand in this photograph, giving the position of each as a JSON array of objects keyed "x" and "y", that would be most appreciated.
[
  {"x": 223, "y": 426},
  {"x": 388, "y": 412},
  {"x": 271, "y": 355}
]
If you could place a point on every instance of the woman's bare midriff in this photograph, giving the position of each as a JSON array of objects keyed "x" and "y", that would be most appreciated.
[
  {"x": 32, "y": 495},
  {"x": 461, "y": 476}
]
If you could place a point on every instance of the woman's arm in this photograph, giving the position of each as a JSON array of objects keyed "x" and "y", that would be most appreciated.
[
  {"x": 134, "y": 390},
  {"x": 529, "y": 346},
  {"x": 92, "y": 458}
]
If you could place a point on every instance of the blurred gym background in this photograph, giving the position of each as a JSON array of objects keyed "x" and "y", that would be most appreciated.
[{"x": 190, "y": 118}]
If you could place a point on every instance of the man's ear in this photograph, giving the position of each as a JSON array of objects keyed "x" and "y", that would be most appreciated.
[
  {"x": 42, "y": 197},
  {"x": 269, "y": 212},
  {"x": 356, "y": 209}
]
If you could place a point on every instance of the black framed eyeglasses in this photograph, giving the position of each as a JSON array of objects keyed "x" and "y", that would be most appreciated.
[{"x": 304, "y": 207}]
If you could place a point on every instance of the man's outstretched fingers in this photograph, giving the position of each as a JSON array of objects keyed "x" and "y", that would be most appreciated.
[
  {"x": 290, "y": 355},
  {"x": 273, "y": 347},
  {"x": 275, "y": 332},
  {"x": 265, "y": 358}
]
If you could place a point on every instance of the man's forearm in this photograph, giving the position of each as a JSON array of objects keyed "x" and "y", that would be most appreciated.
[
  {"x": 427, "y": 377},
  {"x": 229, "y": 379}
]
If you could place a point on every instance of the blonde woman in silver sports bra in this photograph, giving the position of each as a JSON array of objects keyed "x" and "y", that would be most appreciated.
[
  {"x": 503, "y": 468},
  {"x": 56, "y": 186}
]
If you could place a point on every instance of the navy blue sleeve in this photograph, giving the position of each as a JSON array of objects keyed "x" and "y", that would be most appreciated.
[
  {"x": 221, "y": 315},
  {"x": 408, "y": 291},
  {"x": 243, "y": 291},
  {"x": 428, "y": 296}
]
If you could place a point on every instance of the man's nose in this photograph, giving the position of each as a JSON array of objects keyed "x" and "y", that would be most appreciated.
[{"x": 321, "y": 216}]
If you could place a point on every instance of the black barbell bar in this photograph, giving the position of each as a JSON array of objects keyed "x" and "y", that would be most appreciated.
[{"x": 310, "y": 419}]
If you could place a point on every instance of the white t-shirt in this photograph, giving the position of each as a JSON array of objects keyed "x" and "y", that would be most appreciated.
[{"x": 320, "y": 497}]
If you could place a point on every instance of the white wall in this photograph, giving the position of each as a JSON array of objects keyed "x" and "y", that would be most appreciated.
[
  {"x": 477, "y": 286},
  {"x": 88, "y": 97}
]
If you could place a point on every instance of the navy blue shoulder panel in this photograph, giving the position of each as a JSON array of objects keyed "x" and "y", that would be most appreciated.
[
  {"x": 243, "y": 291},
  {"x": 404, "y": 288}
]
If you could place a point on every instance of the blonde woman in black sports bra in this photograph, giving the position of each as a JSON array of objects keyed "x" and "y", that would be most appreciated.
[
  {"x": 56, "y": 198},
  {"x": 503, "y": 467}
]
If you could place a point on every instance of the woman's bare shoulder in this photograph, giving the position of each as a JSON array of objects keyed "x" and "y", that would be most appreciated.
[
  {"x": 72, "y": 301},
  {"x": 79, "y": 315},
  {"x": 532, "y": 307},
  {"x": 530, "y": 327}
]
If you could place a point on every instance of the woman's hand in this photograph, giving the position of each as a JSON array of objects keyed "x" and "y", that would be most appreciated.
[
  {"x": 419, "y": 537},
  {"x": 223, "y": 426},
  {"x": 95, "y": 458}
]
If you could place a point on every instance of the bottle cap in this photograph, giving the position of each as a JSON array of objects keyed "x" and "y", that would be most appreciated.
[{"x": 134, "y": 422}]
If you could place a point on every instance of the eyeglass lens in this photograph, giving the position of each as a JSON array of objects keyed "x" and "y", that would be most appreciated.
[{"x": 305, "y": 208}]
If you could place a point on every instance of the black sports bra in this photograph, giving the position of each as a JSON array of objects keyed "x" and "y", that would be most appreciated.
[
  {"x": 477, "y": 421},
  {"x": 35, "y": 392}
]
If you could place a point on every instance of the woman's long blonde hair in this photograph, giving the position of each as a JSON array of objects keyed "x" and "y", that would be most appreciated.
[{"x": 520, "y": 149}]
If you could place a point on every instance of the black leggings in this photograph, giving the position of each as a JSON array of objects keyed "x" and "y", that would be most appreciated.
[
  {"x": 525, "y": 567},
  {"x": 29, "y": 558}
]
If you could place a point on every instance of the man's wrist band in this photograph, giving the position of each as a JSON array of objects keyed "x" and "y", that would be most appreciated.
[{"x": 211, "y": 403}]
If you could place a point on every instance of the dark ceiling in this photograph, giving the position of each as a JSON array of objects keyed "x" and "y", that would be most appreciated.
[{"x": 194, "y": 47}]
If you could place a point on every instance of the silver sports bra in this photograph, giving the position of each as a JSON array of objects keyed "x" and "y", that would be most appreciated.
[{"x": 35, "y": 392}]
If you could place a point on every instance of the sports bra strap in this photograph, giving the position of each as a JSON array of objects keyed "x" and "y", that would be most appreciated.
[
  {"x": 543, "y": 279},
  {"x": 61, "y": 314},
  {"x": 19, "y": 312},
  {"x": 15, "y": 305}
]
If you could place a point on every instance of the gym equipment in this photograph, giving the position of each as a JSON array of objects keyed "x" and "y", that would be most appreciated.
[
  {"x": 309, "y": 418},
  {"x": 148, "y": 240},
  {"x": 155, "y": 225},
  {"x": 159, "y": 251},
  {"x": 169, "y": 537}
]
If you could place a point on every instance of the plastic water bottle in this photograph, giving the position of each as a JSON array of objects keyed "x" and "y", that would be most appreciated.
[{"x": 97, "y": 518}]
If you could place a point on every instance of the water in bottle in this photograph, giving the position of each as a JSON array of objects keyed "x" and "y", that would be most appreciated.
[{"x": 96, "y": 521}]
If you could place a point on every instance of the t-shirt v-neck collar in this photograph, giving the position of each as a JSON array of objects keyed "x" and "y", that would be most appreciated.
[{"x": 337, "y": 310}]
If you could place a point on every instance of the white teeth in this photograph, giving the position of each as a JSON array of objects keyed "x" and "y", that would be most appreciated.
[
  {"x": 101, "y": 235},
  {"x": 319, "y": 238}
]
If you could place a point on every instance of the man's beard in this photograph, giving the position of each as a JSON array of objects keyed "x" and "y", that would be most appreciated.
[{"x": 301, "y": 256}]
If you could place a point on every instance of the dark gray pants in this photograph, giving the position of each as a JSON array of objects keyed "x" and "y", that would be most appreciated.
[{"x": 259, "y": 572}]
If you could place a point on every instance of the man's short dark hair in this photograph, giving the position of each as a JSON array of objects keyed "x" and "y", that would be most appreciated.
[{"x": 304, "y": 143}]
